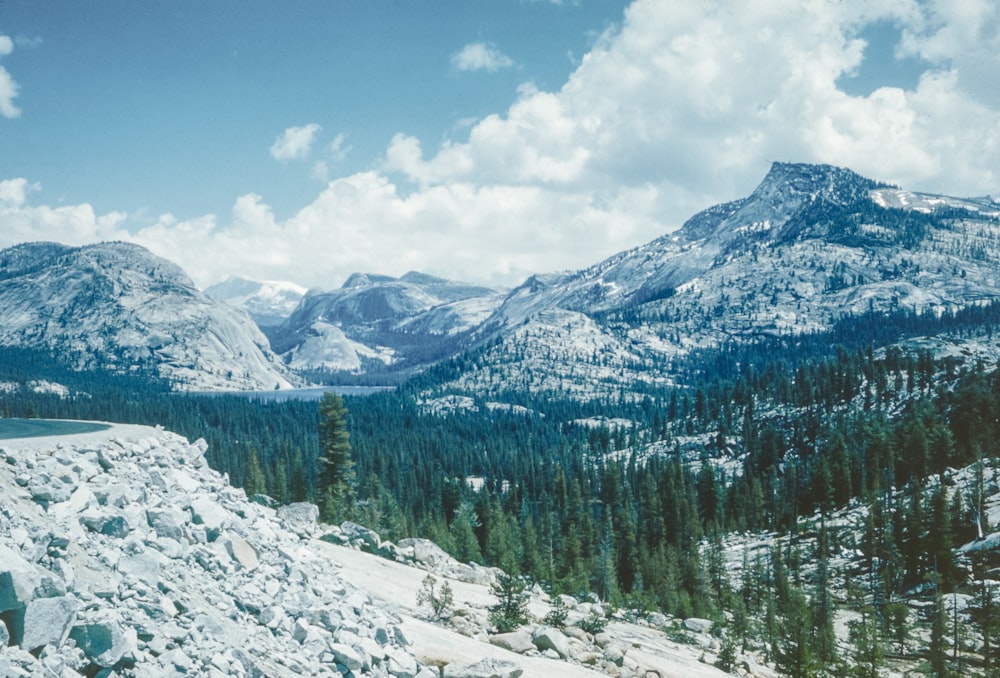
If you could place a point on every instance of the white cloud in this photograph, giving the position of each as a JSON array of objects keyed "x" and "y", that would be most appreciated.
[
  {"x": 295, "y": 143},
  {"x": 480, "y": 56},
  {"x": 14, "y": 192},
  {"x": 684, "y": 105},
  {"x": 696, "y": 101},
  {"x": 8, "y": 86},
  {"x": 338, "y": 151},
  {"x": 339, "y": 148},
  {"x": 69, "y": 224}
]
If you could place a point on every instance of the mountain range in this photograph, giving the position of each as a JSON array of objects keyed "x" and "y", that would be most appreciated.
[{"x": 810, "y": 246}]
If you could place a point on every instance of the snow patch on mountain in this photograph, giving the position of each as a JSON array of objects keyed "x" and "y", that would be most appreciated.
[
  {"x": 408, "y": 321},
  {"x": 268, "y": 302}
]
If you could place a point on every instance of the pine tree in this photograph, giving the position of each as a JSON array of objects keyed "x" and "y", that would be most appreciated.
[
  {"x": 336, "y": 490},
  {"x": 511, "y": 609},
  {"x": 823, "y": 609},
  {"x": 938, "y": 651},
  {"x": 869, "y": 655},
  {"x": 463, "y": 530},
  {"x": 253, "y": 476},
  {"x": 985, "y": 614},
  {"x": 794, "y": 656}
]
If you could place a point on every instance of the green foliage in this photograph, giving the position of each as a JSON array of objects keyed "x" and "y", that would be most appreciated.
[
  {"x": 557, "y": 614},
  {"x": 795, "y": 656},
  {"x": 594, "y": 623},
  {"x": 441, "y": 601},
  {"x": 728, "y": 654},
  {"x": 336, "y": 481},
  {"x": 868, "y": 656},
  {"x": 253, "y": 478},
  {"x": 510, "y": 612}
]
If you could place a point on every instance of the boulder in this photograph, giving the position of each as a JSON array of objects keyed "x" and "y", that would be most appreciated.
[
  {"x": 114, "y": 526},
  {"x": 144, "y": 567},
  {"x": 515, "y": 641},
  {"x": 347, "y": 656},
  {"x": 47, "y": 490},
  {"x": 4, "y": 635},
  {"x": 354, "y": 533},
  {"x": 485, "y": 668},
  {"x": 103, "y": 640},
  {"x": 47, "y": 621},
  {"x": 205, "y": 511},
  {"x": 548, "y": 638},
  {"x": 401, "y": 664},
  {"x": 300, "y": 515},
  {"x": 18, "y": 580},
  {"x": 168, "y": 521},
  {"x": 698, "y": 625},
  {"x": 81, "y": 498},
  {"x": 426, "y": 552},
  {"x": 240, "y": 551}
]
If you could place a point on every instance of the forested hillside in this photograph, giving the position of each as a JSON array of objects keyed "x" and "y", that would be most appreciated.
[{"x": 790, "y": 489}]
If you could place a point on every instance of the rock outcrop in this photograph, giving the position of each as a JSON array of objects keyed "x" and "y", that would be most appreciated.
[{"x": 131, "y": 557}]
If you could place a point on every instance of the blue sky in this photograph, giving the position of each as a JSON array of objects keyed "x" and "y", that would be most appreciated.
[
  {"x": 172, "y": 106},
  {"x": 478, "y": 139}
]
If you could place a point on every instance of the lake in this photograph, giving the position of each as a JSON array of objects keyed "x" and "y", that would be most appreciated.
[{"x": 300, "y": 393}]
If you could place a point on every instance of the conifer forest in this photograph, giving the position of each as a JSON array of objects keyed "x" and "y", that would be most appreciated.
[{"x": 779, "y": 487}]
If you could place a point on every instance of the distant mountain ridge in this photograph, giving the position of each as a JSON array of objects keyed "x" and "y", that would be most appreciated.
[
  {"x": 268, "y": 302},
  {"x": 810, "y": 246},
  {"x": 116, "y": 305},
  {"x": 377, "y": 322}
]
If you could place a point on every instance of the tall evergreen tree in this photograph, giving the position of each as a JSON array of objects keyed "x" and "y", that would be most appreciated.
[
  {"x": 253, "y": 476},
  {"x": 336, "y": 480}
]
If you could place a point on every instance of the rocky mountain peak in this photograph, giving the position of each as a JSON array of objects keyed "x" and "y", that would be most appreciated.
[
  {"x": 119, "y": 306},
  {"x": 794, "y": 200}
]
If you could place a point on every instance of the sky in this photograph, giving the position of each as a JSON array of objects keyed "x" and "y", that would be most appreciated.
[{"x": 477, "y": 140}]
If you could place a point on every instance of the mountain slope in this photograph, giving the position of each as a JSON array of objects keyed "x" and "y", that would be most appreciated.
[
  {"x": 118, "y": 306},
  {"x": 121, "y": 566},
  {"x": 811, "y": 245},
  {"x": 268, "y": 303},
  {"x": 378, "y": 322}
]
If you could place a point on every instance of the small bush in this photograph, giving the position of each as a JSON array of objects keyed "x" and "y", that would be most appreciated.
[
  {"x": 594, "y": 623},
  {"x": 441, "y": 601},
  {"x": 557, "y": 613}
]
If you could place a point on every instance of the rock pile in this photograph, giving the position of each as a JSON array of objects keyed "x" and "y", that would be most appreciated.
[{"x": 131, "y": 557}]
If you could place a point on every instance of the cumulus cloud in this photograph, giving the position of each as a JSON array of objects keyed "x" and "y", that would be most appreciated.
[
  {"x": 680, "y": 106},
  {"x": 294, "y": 143},
  {"x": 8, "y": 87},
  {"x": 14, "y": 192},
  {"x": 339, "y": 148},
  {"x": 696, "y": 101},
  {"x": 480, "y": 56},
  {"x": 69, "y": 224}
]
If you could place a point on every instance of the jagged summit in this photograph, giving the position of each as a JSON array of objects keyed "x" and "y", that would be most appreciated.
[
  {"x": 810, "y": 246},
  {"x": 789, "y": 203}
]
